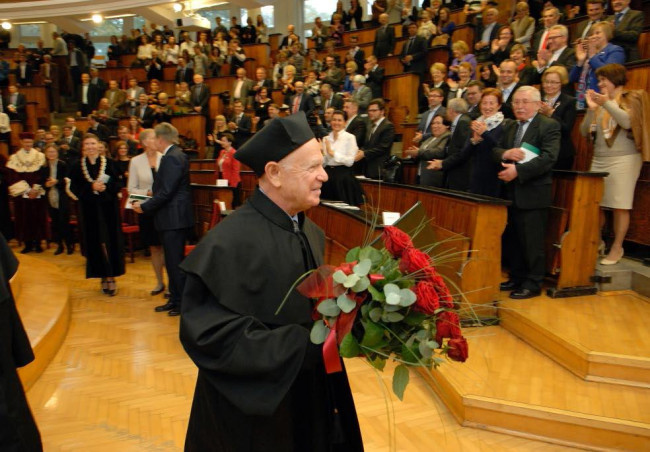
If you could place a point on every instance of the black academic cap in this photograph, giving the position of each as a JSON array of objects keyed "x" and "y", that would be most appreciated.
[{"x": 279, "y": 138}]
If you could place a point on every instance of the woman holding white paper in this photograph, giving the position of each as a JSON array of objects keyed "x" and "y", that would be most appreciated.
[
  {"x": 142, "y": 171},
  {"x": 94, "y": 182},
  {"x": 228, "y": 167}
]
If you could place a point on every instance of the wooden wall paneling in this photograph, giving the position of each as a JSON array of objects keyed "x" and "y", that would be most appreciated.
[
  {"x": 194, "y": 125},
  {"x": 220, "y": 84},
  {"x": 362, "y": 36},
  {"x": 202, "y": 199},
  {"x": 40, "y": 110},
  {"x": 169, "y": 73},
  {"x": 203, "y": 176},
  {"x": 16, "y": 129},
  {"x": 403, "y": 102},
  {"x": 116, "y": 73},
  {"x": 261, "y": 53}
]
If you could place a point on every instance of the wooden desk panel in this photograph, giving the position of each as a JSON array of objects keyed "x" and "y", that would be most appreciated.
[
  {"x": 38, "y": 95},
  {"x": 403, "y": 101},
  {"x": 261, "y": 53},
  {"x": 194, "y": 125},
  {"x": 202, "y": 199},
  {"x": 116, "y": 73}
]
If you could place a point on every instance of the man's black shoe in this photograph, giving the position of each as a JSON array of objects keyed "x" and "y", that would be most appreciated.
[
  {"x": 59, "y": 250},
  {"x": 522, "y": 294},
  {"x": 165, "y": 307},
  {"x": 508, "y": 285},
  {"x": 174, "y": 312},
  {"x": 26, "y": 250}
]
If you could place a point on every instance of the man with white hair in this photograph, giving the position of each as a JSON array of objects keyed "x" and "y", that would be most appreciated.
[
  {"x": 528, "y": 150},
  {"x": 362, "y": 94}
]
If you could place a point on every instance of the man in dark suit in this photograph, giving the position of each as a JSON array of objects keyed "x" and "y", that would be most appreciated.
[
  {"x": 24, "y": 71},
  {"x": 528, "y": 185},
  {"x": 379, "y": 141},
  {"x": 15, "y": 105},
  {"x": 595, "y": 13},
  {"x": 486, "y": 31},
  {"x": 374, "y": 77},
  {"x": 132, "y": 145},
  {"x": 302, "y": 101},
  {"x": 261, "y": 81},
  {"x": 69, "y": 146},
  {"x": 356, "y": 125},
  {"x": 557, "y": 52},
  {"x": 171, "y": 206},
  {"x": 95, "y": 127},
  {"x": 236, "y": 56},
  {"x": 508, "y": 85},
  {"x": 200, "y": 99},
  {"x": 184, "y": 73},
  {"x": 98, "y": 84},
  {"x": 628, "y": 25},
  {"x": 239, "y": 124},
  {"x": 89, "y": 95},
  {"x": 290, "y": 38},
  {"x": 144, "y": 112},
  {"x": 550, "y": 17},
  {"x": 456, "y": 168},
  {"x": 435, "y": 98},
  {"x": 50, "y": 76},
  {"x": 384, "y": 38},
  {"x": 329, "y": 98},
  {"x": 473, "y": 95},
  {"x": 414, "y": 52}
]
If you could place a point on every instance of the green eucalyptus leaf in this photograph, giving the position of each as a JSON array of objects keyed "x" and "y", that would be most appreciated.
[
  {"x": 353, "y": 254},
  {"x": 371, "y": 253},
  {"x": 415, "y": 318},
  {"x": 391, "y": 288},
  {"x": 378, "y": 363},
  {"x": 433, "y": 345},
  {"x": 372, "y": 335},
  {"x": 363, "y": 267},
  {"x": 328, "y": 308},
  {"x": 392, "y": 317},
  {"x": 361, "y": 285},
  {"x": 407, "y": 297},
  {"x": 411, "y": 355},
  {"x": 392, "y": 308},
  {"x": 345, "y": 303},
  {"x": 339, "y": 277},
  {"x": 400, "y": 380},
  {"x": 393, "y": 298},
  {"x": 376, "y": 295},
  {"x": 349, "y": 347},
  {"x": 421, "y": 335},
  {"x": 351, "y": 280},
  {"x": 365, "y": 309},
  {"x": 425, "y": 350},
  {"x": 375, "y": 314},
  {"x": 319, "y": 332}
]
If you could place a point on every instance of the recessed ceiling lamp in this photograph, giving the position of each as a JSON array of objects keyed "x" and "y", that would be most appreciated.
[
  {"x": 6, "y": 25},
  {"x": 97, "y": 18},
  {"x": 178, "y": 7}
]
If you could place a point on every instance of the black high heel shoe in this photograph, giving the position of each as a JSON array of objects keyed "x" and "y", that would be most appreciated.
[
  {"x": 158, "y": 290},
  {"x": 105, "y": 285},
  {"x": 112, "y": 288}
]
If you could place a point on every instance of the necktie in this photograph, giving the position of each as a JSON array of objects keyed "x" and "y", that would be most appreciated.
[
  {"x": 409, "y": 44},
  {"x": 520, "y": 134},
  {"x": 544, "y": 40},
  {"x": 619, "y": 16}
]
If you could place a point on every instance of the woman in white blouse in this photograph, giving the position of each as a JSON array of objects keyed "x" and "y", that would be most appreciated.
[
  {"x": 171, "y": 51},
  {"x": 144, "y": 49},
  {"x": 339, "y": 151},
  {"x": 142, "y": 171}
]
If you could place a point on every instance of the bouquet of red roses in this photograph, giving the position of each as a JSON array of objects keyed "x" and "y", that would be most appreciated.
[{"x": 385, "y": 304}]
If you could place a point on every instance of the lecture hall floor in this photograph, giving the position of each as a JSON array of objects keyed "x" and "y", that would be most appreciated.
[{"x": 122, "y": 382}]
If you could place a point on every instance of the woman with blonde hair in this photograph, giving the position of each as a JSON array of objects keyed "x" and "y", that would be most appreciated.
[
  {"x": 616, "y": 124},
  {"x": 523, "y": 25},
  {"x": 438, "y": 72},
  {"x": 287, "y": 82},
  {"x": 562, "y": 107},
  {"x": 460, "y": 50}
]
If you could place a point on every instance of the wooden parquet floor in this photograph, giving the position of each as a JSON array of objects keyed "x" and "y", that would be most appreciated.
[{"x": 122, "y": 382}]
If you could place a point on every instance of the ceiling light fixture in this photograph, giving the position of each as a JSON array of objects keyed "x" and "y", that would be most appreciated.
[
  {"x": 178, "y": 7},
  {"x": 6, "y": 25},
  {"x": 97, "y": 18}
]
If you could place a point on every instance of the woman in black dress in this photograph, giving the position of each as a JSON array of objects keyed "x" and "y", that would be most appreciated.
[
  {"x": 261, "y": 105},
  {"x": 121, "y": 162},
  {"x": 560, "y": 106},
  {"x": 94, "y": 182}
]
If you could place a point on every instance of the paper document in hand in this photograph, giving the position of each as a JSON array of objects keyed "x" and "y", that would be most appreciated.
[
  {"x": 530, "y": 152},
  {"x": 133, "y": 198}
]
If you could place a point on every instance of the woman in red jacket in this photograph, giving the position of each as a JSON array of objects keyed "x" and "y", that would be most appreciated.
[{"x": 228, "y": 167}]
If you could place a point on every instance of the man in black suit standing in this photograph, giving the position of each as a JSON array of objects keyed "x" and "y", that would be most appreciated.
[
  {"x": 239, "y": 124},
  {"x": 200, "y": 99},
  {"x": 595, "y": 13},
  {"x": 356, "y": 125},
  {"x": 97, "y": 128},
  {"x": 301, "y": 101},
  {"x": 508, "y": 85},
  {"x": 435, "y": 98},
  {"x": 414, "y": 53},
  {"x": 184, "y": 73},
  {"x": 473, "y": 94},
  {"x": 16, "y": 104},
  {"x": 328, "y": 98},
  {"x": 24, "y": 71},
  {"x": 628, "y": 26},
  {"x": 144, "y": 112},
  {"x": 171, "y": 206},
  {"x": 457, "y": 169},
  {"x": 374, "y": 77},
  {"x": 384, "y": 38},
  {"x": 531, "y": 146},
  {"x": 379, "y": 141},
  {"x": 557, "y": 52}
]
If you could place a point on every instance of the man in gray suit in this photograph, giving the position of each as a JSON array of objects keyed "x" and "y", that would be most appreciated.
[
  {"x": 242, "y": 88},
  {"x": 361, "y": 94},
  {"x": 628, "y": 25},
  {"x": 384, "y": 38}
]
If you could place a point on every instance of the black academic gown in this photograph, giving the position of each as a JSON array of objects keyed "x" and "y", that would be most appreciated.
[
  {"x": 18, "y": 431},
  {"x": 261, "y": 384}
]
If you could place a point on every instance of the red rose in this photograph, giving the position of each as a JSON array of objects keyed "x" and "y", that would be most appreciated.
[
  {"x": 414, "y": 260},
  {"x": 458, "y": 350},
  {"x": 396, "y": 240},
  {"x": 447, "y": 326},
  {"x": 443, "y": 291},
  {"x": 427, "y": 298}
]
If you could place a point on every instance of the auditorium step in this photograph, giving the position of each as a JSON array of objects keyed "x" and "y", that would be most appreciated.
[
  {"x": 42, "y": 299},
  {"x": 599, "y": 338},
  {"x": 507, "y": 386},
  {"x": 628, "y": 274}
]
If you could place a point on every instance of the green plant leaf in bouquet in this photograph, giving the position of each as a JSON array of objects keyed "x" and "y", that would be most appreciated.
[
  {"x": 392, "y": 308},
  {"x": 319, "y": 332},
  {"x": 353, "y": 254},
  {"x": 363, "y": 267},
  {"x": 392, "y": 293},
  {"x": 415, "y": 318},
  {"x": 392, "y": 317},
  {"x": 371, "y": 253},
  {"x": 339, "y": 277},
  {"x": 393, "y": 299},
  {"x": 345, "y": 303},
  {"x": 361, "y": 285},
  {"x": 373, "y": 334},
  {"x": 349, "y": 347},
  {"x": 376, "y": 295},
  {"x": 421, "y": 335},
  {"x": 351, "y": 280},
  {"x": 378, "y": 363},
  {"x": 328, "y": 308},
  {"x": 375, "y": 314},
  {"x": 407, "y": 297},
  {"x": 425, "y": 350},
  {"x": 410, "y": 354},
  {"x": 400, "y": 380}
]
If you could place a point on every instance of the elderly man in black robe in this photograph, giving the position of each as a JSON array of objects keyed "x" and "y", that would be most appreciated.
[
  {"x": 18, "y": 431},
  {"x": 262, "y": 385}
]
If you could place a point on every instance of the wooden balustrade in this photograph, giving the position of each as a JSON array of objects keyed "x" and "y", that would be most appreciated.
[
  {"x": 192, "y": 125},
  {"x": 260, "y": 54},
  {"x": 403, "y": 103}
]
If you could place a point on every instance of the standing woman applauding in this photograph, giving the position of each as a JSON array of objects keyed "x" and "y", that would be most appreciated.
[{"x": 96, "y": 185}]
